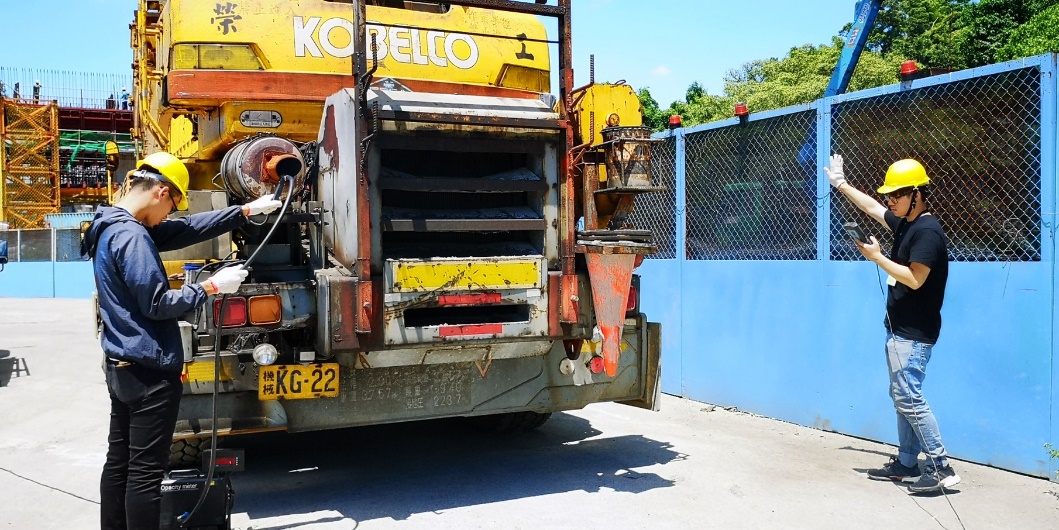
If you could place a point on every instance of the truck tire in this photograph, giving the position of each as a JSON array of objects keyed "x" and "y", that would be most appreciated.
[
  {"x": 510, "y": 422},
  {"x": 186, "y": 453}
]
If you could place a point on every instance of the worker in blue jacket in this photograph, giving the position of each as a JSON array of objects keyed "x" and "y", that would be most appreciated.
[{"x": 140, "y": 336}]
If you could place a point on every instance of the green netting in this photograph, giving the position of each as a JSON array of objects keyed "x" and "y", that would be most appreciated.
[{"x": 92, "y": 144}]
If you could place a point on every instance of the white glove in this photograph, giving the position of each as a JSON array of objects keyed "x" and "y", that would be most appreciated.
[
  {"x": 228, "y": 280},
  {"x": 261, "y": 205},
  {"x": 835, "y": 173}
]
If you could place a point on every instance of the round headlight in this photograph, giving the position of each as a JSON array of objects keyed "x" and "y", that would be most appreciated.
[{"x": 265, "y": 354}]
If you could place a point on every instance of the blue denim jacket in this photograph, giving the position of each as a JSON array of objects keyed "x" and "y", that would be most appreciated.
[{"x": 138, "y": 308}]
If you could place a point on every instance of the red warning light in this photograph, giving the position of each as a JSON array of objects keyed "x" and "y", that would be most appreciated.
[
  {"x": 741, "y": 110},
  {"x": 909, "y": 67},
  {"x": 675, "y": 121},
  {"x": 595, "y": 365}
]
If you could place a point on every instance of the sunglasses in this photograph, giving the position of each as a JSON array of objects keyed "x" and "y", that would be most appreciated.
[{"x": 898, "y": 194}]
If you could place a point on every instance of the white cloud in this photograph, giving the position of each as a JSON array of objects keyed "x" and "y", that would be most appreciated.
[{"x": 661, "y": 70}]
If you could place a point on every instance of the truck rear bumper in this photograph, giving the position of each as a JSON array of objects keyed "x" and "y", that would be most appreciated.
[{"x": 390, "y": 394}]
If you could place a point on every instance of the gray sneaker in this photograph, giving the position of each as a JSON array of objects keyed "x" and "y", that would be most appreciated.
[
  {"x": 895, "y": 471},
  {"x": 936, "y": 480}
]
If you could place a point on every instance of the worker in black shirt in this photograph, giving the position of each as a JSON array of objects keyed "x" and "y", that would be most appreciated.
[{"x": 917, "y": 269}]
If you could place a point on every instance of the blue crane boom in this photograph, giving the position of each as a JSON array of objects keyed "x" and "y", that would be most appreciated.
[{"x": 863, "y": 21}]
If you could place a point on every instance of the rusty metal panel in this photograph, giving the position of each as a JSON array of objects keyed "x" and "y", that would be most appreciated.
[
  {"x": 339, "y": 187},
  {"x": 463, "y": 109},
  {"x": 499, "y": 314},
  {"x": 569, "y": 302},
  {"x": 652, "y": 369},
  {"x": 555, "y": 330},
  {"x": 336, "y": 310},
  {"x": 365, "y": 309}
]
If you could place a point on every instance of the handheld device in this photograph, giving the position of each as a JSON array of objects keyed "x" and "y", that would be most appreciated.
[{"x": 856, "y": 232}]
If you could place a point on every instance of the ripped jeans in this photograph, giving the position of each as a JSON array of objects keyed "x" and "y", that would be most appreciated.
[{"x": 917, "y": 430}]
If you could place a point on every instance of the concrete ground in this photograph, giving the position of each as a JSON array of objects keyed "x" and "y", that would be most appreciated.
[{"x": 608, "y": 466}]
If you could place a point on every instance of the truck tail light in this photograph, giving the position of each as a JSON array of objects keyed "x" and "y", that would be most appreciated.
[
  {"x": 234, "y": 312},
  {"x": 265, "y": 309},
  {"x": 595, "y": 364}
]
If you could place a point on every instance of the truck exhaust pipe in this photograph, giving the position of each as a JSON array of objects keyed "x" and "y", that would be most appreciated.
[{"x": 255, "y": 168}]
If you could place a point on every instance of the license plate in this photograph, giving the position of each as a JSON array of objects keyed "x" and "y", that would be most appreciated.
[{"x": 297, "y": 381}]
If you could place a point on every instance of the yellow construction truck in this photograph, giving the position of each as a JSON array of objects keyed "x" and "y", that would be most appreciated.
[{"x": 454, "y": 240}]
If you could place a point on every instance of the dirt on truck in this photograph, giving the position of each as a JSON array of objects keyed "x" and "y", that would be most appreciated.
[{"x": 454, "y": 240}]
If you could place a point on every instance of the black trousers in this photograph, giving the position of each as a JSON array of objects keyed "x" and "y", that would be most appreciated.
[{"x": 143, "y": 411}]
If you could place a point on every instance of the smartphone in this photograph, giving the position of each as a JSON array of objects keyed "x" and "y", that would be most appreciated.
[{"x": 856, "y": 232}]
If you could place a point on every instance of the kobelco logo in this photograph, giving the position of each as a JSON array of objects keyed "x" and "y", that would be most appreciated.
[{"x": 403, "y": 45}]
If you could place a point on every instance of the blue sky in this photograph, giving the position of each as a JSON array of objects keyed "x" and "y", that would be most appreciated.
[{"x": 664, "y": 45}]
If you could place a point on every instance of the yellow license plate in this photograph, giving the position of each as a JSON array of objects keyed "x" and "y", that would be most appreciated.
[{"x": 297, "y": 381}]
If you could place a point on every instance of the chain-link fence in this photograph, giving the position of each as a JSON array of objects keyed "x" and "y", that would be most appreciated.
[
  {"x": 980, "y": 142},
  {"x": 45, "y": 244},
  {"x": 747, "y": 195},
  {"x": 753, "y": 191},
  {"x": 657, "y": 210}
]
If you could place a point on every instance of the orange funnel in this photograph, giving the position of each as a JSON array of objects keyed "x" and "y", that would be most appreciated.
[{"x": 611, "y": 276}]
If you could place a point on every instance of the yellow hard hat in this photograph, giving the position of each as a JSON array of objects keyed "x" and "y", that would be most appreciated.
[
  {"x": 172, "y": 171},
  {"x": 905, "y": 173}
]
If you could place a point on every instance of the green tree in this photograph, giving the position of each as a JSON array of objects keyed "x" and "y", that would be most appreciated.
[
  {"x": 653, "y": 116},
  {"x": 989, "y": 25},
  {"x": 802, "y": 76},
  {"x": 926, "y": 31},
  {"x": 1038, "y": 35}
]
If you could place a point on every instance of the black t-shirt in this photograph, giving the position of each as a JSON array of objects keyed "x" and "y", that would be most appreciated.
[{"x": 916, "y": 313}]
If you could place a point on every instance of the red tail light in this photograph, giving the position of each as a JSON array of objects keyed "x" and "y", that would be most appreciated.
[
  {"x": 595, "y": 364},
  {"x": 631, "y": 304},
  {"x": 234, "y": 312}
]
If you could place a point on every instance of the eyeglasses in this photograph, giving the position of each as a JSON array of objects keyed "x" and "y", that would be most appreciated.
[
  {"x": 172, "y": 199},
  {"x": 898, "y": 194}
]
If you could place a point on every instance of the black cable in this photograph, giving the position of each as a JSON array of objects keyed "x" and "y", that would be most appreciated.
[
  {"x": 60, "y": 490},
  {"x": 916, "y": 428},
  {"x": 186, "y": 516}
]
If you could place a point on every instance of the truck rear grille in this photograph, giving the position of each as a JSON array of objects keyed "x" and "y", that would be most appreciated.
[{"x": 468, "y": 203}]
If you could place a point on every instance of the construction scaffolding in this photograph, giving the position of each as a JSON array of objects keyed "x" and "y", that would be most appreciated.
[{"x": 29, "y": 161}]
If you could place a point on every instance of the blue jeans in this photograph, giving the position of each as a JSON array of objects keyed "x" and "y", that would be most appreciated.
[{"x": 917, "y": 430}]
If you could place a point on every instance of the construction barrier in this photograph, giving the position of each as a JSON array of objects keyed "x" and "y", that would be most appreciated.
[{"x": 768, "y": 306}]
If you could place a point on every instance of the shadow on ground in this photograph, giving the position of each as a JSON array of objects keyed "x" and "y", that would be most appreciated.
[
  {"x": 11, "y": 365},
  {"x": 395, "y": 471}
]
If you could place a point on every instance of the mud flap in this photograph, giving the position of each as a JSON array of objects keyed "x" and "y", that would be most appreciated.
[{"x": 651, "y": 371}]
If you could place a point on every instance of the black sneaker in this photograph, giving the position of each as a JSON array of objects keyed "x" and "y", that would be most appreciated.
[
  {"x": 936, "y": 480},
  {"x": 894, "y": 470}
]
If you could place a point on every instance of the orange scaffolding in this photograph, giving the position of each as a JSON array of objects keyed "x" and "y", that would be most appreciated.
[{"x": 29, "y": 161}]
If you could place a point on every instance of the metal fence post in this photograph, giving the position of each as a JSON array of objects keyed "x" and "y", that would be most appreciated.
[
  {"x": 680, "y": 179},
  {"x": 1048, "y": 159},
  {"x": 1049, "y": 219},
  {"x": 823, "y": 187},
  {"x": 681, "y": 203}
]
